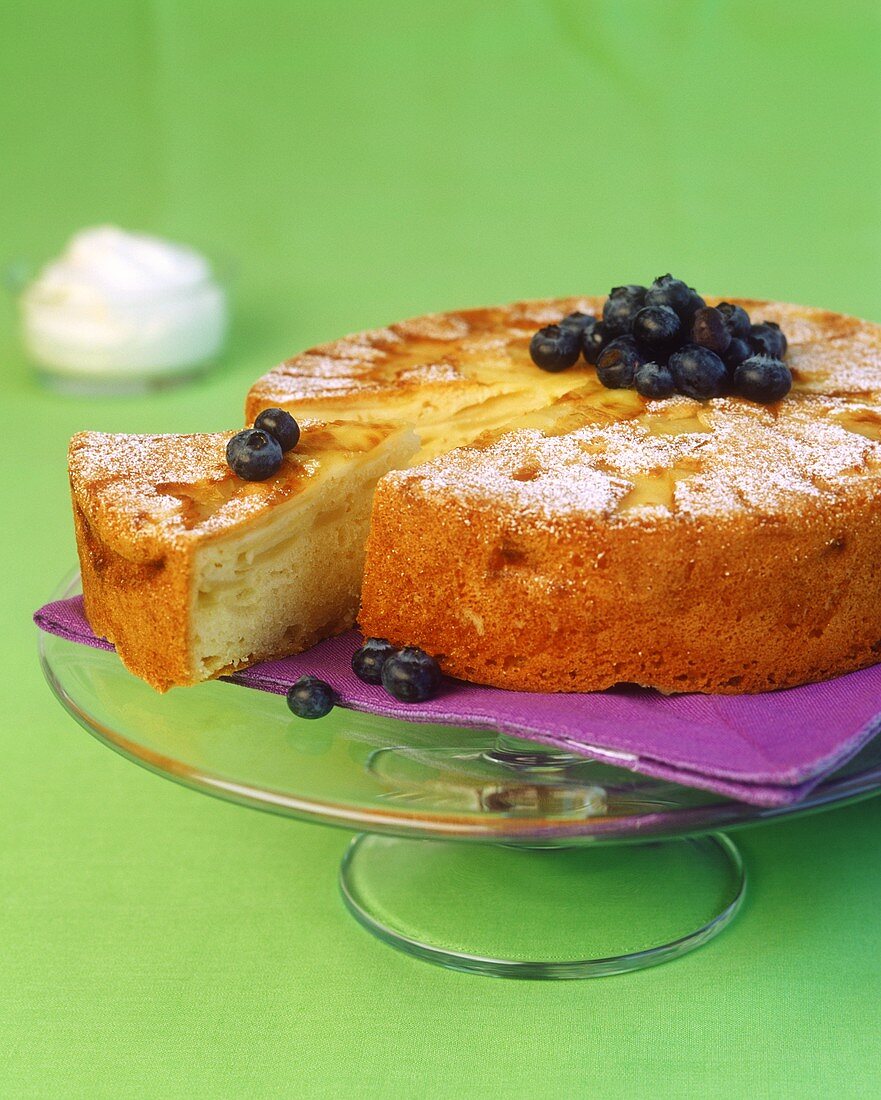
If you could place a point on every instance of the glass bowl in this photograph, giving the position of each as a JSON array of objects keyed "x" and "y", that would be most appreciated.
[{"x": 136, "y": 344}]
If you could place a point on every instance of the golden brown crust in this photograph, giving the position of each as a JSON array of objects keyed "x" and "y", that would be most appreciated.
[
  {"x": 443, "y": 357},
  {"x": 143, "y": 607},
  {"x": 145, "y": 493},
  {"x": 736, "y": 605}
]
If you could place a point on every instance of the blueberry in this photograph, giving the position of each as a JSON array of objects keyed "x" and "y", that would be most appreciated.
[
  {"x": 736, "y": 320},
  {"x": 679, "y": 296},
  {"x": 698, "y": 372},
  {"x": 593, "y": 340},
  {"x": 411, "y": 675},
  {"x": 657, "y": 327},
  {"x": 763, "y": 379},
  {"x": 736, "y": 352},
  {"x": 555, "y": 348},
  {"x": 253, "y": 455},
  {"x": 654, "y": 380},
  {"x": 622, "y": 305},
  {"x": 618, "y": 363},
  {"x": 281, "y": 426},
  {"x": 708, "y": 330},
  {"x": 578, "y": 321},
  {"x": 767, "y": 339},
  {"x": 367, "y": 661},
  {"x": 310, "y": 697}
]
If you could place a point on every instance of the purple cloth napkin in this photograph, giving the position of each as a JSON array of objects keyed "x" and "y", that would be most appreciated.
[{"x": 768, "y": 749}]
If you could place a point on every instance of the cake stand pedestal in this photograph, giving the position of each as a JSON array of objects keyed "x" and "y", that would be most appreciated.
[{"x": 576, "y": 912}]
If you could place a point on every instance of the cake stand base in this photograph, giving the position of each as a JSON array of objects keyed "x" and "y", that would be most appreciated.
[{"x": 517, "y": 912}]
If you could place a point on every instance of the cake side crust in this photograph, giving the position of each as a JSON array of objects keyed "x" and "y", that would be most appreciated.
[
  {"x": 142, "y": 607},
  {"x": 746, "y": 604}
]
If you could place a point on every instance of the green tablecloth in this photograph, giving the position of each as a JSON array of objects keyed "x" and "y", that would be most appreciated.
[{"x": 362, "y": 162}]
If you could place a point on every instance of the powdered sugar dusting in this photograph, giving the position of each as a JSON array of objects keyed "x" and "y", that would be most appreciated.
[
  {"x": 643, "y": 459},
  {"x": 564, "y": 481},
  {"x": 147, "y": 490},
  {"x": 744, "y": 458}
]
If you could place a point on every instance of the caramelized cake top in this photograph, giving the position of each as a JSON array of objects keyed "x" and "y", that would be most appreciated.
[
  {"x": 484, "y": 349},
  {"x": 141, "y": 492},
  {"x": 607, "y": 452}
]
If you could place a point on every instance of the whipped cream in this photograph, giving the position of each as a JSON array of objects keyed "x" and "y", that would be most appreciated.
[{"x": 123, "y": 304}]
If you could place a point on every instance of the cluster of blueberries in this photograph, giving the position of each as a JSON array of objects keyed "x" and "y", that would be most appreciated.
[
  {"x": 256, "y": 453},
  {"x": 408, "y": 674},
  {"x": 665, "y": 339}
]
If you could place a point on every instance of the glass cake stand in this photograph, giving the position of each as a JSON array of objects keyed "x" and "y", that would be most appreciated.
[{"x": 475, "y": 851}]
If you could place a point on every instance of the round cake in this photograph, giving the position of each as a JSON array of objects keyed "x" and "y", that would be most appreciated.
[{"x": 713, "y": 546}]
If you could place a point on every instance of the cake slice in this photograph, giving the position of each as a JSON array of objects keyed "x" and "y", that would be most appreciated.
[{"x": 192, "y": 572}]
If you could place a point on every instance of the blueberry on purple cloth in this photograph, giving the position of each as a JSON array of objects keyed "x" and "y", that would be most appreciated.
[
  {"x": 411, "y": 675},
  {"x": 367, "y": 661},
  {"x": 310, "y": 697}
]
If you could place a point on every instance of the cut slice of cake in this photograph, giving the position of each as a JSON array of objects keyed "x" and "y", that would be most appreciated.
[{"x": 192, "y": 572}]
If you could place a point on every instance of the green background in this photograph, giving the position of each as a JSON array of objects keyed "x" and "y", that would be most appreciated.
[{"x": 358, "y": 163}]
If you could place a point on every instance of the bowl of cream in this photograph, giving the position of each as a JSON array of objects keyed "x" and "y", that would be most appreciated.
[{"x": 123, "y": 312}]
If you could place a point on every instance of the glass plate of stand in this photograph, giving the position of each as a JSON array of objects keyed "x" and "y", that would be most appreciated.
[{"x": 475, "y": 851}]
